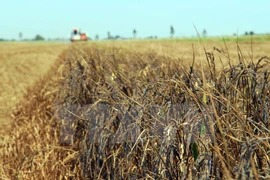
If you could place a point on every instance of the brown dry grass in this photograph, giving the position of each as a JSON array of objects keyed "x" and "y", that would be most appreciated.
[{"x": 144, "y": 74}]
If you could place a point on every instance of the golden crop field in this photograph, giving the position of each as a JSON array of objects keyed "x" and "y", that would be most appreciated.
[
  {"x": 135, "y": 110},
  {"x": 21, "y": 65}
]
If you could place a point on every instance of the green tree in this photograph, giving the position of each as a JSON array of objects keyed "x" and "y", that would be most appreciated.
[
  {"x": 39, "y": 38},
  {"x": 20, "y": 35},
  {"x": 204, "y": 33},
  {"x": 134, "y": 33},
  {"x": 97, "y": 37},
  {"x": 109, "y": 35},
  {"x": 172, "y": 32}
]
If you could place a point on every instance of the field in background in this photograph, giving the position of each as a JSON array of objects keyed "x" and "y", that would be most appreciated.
[
  {"x": 242, "y": 39},
  {"x": 128, "y": 73},
  {"x": 21, "y": 65}
]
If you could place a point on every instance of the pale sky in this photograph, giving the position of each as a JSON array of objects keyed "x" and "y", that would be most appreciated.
[{"x": 56, "y": 18}]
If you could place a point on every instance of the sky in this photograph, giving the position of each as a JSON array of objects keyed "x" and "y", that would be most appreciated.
[{"x": 56, "y": 18}]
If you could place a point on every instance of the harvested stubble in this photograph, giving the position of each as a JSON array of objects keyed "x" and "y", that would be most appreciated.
[{"x": 121, "y": 114}]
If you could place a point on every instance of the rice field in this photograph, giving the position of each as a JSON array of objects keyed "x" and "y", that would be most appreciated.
[
  {"x": 135, "y": 110},
  {"x": 21, "y": 65}
]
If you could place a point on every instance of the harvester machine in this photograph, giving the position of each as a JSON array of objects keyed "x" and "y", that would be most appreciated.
[{"x": 77, "y": 35}]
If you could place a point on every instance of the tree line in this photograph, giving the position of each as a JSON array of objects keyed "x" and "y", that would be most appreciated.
[
  {"x": 134, "y": 33},
  {"x": 36, "y": 38},
  {"x": 109, "y": 36}
]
